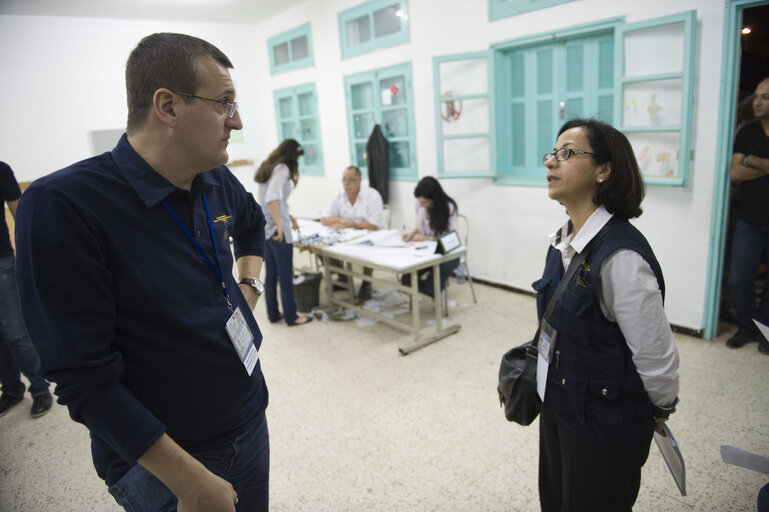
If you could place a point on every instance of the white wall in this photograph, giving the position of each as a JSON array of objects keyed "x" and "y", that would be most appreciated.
[{"x": 63, "y": 77}]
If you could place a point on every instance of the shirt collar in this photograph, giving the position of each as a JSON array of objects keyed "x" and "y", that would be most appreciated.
[
  {"x": 148, "y": 184},
  {"x": 562, "y": 239}
]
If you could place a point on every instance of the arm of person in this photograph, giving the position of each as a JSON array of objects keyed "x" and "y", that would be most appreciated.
[
  {"x": 273, "y": 197},
  {"x": 196, "y": 488},
  {"x": 13, "y": 205},
  {"x": 630, "y": 296},
  {"x": 756, "y": 167},
  {"x": 249, "y": 266},
  {"x": 274, "y": 207}
]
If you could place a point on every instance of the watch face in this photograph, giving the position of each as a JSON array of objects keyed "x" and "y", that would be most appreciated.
[{"x": 258, "y": 286}]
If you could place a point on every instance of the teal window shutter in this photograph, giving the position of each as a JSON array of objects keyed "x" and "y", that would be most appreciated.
[
  {"x": 464, "y": 88},
  {"x": 296, "y": 112},
  {"x": 655, "y": 72},
  {"x": 290, "y": 50},
  {"x": 544, "y": 84},
  {"x": 386, "y": 97}
]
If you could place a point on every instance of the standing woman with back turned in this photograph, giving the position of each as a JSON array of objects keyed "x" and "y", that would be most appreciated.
[
  {"x": 275, "y": 176},
  {"x": 613, "y": 373}
]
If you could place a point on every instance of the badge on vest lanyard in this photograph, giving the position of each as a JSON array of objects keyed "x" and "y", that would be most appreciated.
[{"x": 547, "y": 337}]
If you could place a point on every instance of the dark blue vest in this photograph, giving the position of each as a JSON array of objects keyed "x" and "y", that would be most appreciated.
[{"x": 593, "y": 388}]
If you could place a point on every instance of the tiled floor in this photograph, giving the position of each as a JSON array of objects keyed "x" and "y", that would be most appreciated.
[{"x": 357, "y": 427}]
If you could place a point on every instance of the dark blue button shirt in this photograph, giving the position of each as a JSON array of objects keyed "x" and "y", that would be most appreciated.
[{"x": 127, "y": 317}]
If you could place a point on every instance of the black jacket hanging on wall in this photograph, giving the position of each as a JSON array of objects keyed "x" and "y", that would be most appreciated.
[{"x": 378, "y": 152}]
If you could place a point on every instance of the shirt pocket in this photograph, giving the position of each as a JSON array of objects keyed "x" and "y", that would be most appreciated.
[
  {"x": 603, "y": 404},
  {"x": 540, "y": 286}
]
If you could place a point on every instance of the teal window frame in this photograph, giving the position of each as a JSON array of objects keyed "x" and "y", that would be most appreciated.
[
  {"x": 531, "y": 172},
  {"x": 367, "y": 10},
  {"x": 375, "y": 111},
  {"x": 292, "y": 97},
  {"x": 287, "y": 38},
  {"x": 688, "y": 21},
  {"x": 499, "y": 9},
  {"x": 442, "y": 100}
]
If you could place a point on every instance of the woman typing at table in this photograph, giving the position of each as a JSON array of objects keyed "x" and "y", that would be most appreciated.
[
  {"x": 275, "y": 177},
  {"x": 436, "y": 214}
]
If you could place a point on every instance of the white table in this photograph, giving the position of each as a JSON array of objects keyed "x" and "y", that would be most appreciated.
[{"x": 387, "y": 255}]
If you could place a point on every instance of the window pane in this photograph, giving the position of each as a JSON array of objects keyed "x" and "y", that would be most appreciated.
[
  {"x": 606, "y": 62},
  {"x": 288, "y": 130},
  {"x": 657, "y": 153},
  {"x": 468, "y": 116},
  {"x": 517, "y": 82},
  {"x": 358, "y": 31},
  {"x": 387, "y": 21},
  {"x": 399, "y": 154},
  {"x": 361, "y": 155},
  {"x": 306, "y": 104},
  {"x": 280, "y": 53},
  {"x": 363, "y": 125},
  {"x": 299, "y": 49},
  {"x": 459, "y": 77},
  {"x": 286, "y": 107},
  {"x": 545, "y": 71},
  {"x": 606, "y": 109},
  {"x": 362, "y": 96},
  {"x": 546, "y": 133},
  {"x": 656, "y": 103},
  {"x": 309, "y": 131},
  {"x": 311, "y": 154},
  {"x": 395, "y": 123},
  {"x": 655, "y": 51},
  {"x": 463, "y": 155},
  {"x": 393, "y": 91},
  {"x": 518, "y": 133}
]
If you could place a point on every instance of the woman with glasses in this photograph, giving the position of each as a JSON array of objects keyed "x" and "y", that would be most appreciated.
[
  {"x": 436, "y": 214},
  {"x": 608, "y": 366},
  {"x": 275, "y": 177}
]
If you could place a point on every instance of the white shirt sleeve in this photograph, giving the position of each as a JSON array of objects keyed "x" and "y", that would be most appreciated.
[
  {"x": 631, "y": 297},
  {"x": 275, "y": 184}
]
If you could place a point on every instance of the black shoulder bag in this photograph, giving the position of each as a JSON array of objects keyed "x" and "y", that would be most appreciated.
[{"x": 517, "y": 386}]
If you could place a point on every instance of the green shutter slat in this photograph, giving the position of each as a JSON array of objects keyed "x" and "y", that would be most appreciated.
[
  {"x": 544, "y": 71},
  {"x": 575, "y": 107},
  {"x": 517, "y": 89},
  {"x": 518, "y": 134},
  {"x": 606, "y": 62},
  {"x": 545, "y": 130},
  {"x": 606, "y": 108},
  {"x": 575, "y": 67}
]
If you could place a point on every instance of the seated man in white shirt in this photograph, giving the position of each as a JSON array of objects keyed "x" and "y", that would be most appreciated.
[{"x": 356, "y": 206}]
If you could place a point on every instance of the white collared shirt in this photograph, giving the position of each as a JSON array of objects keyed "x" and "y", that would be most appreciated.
[
  {"x": 630, "y": 296},
  {"x": 367, "y": 208}
]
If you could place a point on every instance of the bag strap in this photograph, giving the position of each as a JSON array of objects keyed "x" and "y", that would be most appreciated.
[{"x": 576, "y": 261}]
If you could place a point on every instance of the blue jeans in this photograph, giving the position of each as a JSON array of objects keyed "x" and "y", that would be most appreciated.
[
  {"x": 244, "y": 462},
  {"x": 17, "y": 354},
  {"x": 425, "y": 277},
  {"x": 750, "y": 243},
  {"x": 279, "y": 262}
]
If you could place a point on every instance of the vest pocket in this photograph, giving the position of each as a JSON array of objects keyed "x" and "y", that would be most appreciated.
[
  {"x": 576, "y": 315},
  {"x": 603, "y": 404}
]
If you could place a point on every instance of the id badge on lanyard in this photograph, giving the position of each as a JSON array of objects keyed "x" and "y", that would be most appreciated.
[{"x": 237, "y": 329}]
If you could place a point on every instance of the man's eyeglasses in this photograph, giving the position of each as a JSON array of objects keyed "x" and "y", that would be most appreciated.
[
  {"x": 232, "y": 107},
  {"x": 564, "y": 154}
]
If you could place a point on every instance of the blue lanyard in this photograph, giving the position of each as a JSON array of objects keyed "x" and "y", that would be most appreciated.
[{"x": 217, "y": 270}]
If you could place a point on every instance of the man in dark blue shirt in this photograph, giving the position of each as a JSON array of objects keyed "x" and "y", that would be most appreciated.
[{"x": 126, "y": 282}]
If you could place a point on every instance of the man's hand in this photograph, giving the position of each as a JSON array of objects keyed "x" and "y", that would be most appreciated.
[
  {"x": 250, "y": 294},
  {"x": 210, "y": 493}
]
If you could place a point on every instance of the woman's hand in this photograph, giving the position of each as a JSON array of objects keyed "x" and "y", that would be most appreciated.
[
  {"x": 294, "y": 223},
  {"x": 659, "y": 423}
]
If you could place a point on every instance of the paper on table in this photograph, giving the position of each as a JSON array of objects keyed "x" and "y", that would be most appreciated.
[
  {"x": 763, "y": 328},
  {"x": 673, "y": 458}
]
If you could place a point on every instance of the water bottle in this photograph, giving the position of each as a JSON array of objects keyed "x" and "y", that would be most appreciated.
[{"x": 461, "y": 274}]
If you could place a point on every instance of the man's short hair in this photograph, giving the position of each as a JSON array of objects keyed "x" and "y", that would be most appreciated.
[
  {"x": 356, "y": 169},
  {"x": 164, "y": 60}
]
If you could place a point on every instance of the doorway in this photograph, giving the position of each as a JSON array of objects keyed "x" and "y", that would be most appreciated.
[{"x": 744, "y": 63}]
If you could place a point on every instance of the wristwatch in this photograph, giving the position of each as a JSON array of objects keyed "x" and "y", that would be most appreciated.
[
  {"x": 745, "y": 161},
  {"x": 254, "y": 283}
]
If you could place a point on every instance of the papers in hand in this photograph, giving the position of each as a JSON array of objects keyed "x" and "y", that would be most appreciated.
[{"x": 673, "y": 458}]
